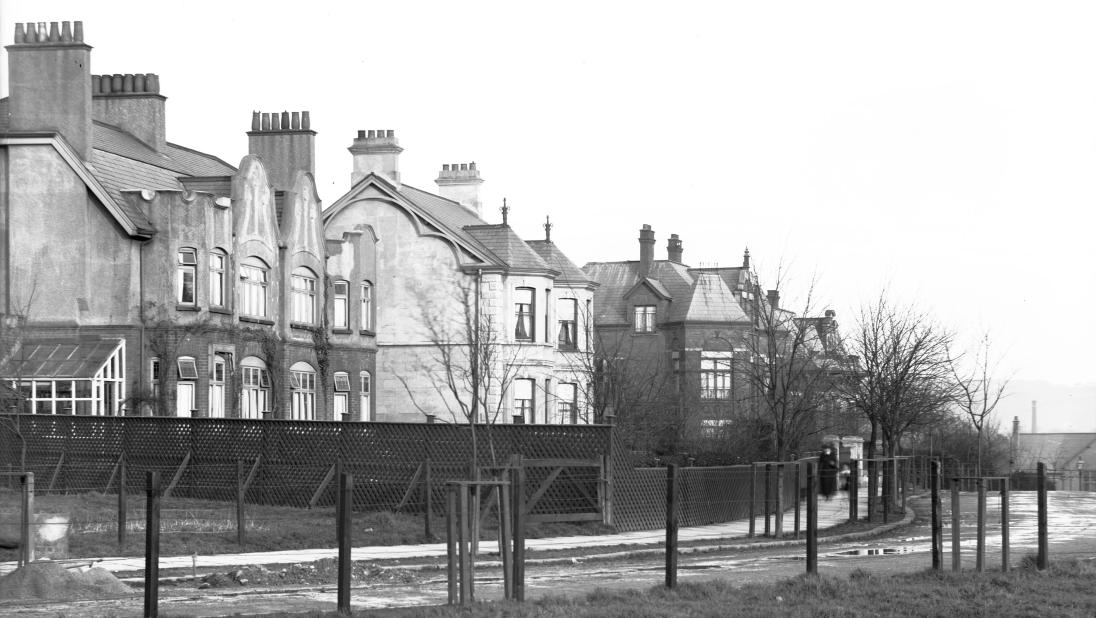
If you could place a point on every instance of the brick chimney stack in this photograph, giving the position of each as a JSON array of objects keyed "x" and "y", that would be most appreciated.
[
  {"x": 460, "y": 182},
  {"x": 132, "y": 102},
  {"x": 49, "y": 79},
  {"x": 774, "y": 299},
  {"x": 376, "y": 151},
  {"x": 286, "y": 143},
  {"x": 646, "y": 249},
  {"x": 673, "y": 249}
]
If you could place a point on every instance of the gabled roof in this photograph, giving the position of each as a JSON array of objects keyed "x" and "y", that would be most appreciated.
[
  {"x": 650, "y": 284},
  {"x": 557, "y": 260},
  {"x": 616, "y": 279}
]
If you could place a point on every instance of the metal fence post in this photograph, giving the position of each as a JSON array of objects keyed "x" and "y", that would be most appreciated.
[
  {"x": 778, "y": 515},
  {"x": 768, "y": 498},
  {"x": 240, "y": 514},
  {"x": 451, "y": 542},
  {"x": 671, "y": 526},
  {"x": 428, "y": 490},
  {"x": 1042, "y": 561},
  {"x": 519, "y": 531}
]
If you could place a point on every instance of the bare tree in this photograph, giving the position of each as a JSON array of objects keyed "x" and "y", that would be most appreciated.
[
  {"x": 793, "y": 366},
  {"x": 470, "y": 364},
  {"x": 978, "y": 389},
  {"x": 905, "y": 378}
]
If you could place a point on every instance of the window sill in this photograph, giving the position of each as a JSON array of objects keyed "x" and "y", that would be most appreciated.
[
  {"x": 256, "y": 320},
  {"x": 220, "y": 310},
  {"x": 567, "y": 348},
  {"x": 644, "y": 332},
  {"x": 302, "y": 326},
  {"x": 366, "y": 331},
  {"x": 181, "y": 307},
  {"x": 341, "y": 331}
]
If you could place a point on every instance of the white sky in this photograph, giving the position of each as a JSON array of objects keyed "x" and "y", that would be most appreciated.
[{"x": 943, "y": 150}]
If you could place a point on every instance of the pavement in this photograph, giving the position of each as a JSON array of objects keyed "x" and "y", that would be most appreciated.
[{"x": 830, "y": 513}]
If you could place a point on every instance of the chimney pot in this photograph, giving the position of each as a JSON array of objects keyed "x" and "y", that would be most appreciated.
[
  {"x": 66, "y": 32},
  {"x": 139, "y": 83},
  {"x": 78, "y": 31},
  {"x": 127, "y": 82},
  {"x": 306, "y": 121},
  {"x": 646, "y": 249},
  {"x": 54, "y": 33},
  {"x": 20, "y": 34},
  {"x": 152, "y": 83},
  {"x": 391, "y": 133},
  {"x": 463, "y": 167},
  {"x": 445, "y": 167},
  {"x": 372, "y": 134},
  {"x": 296, "y": 120},
  {"x": 116, "y": 82},
  {"x": 285, "y": 121},
  {"x": 95, "y": 81},
  {"x": 673, "y": 249},
  {"x": 43, "y": 34},
  {"x": 266, "y": 121},
  {"x": 256, "y": 121},
  {"x": 32, "y": 33},
  {"x": 361, "y": 134},
  {"x": 830, "y": 313}
]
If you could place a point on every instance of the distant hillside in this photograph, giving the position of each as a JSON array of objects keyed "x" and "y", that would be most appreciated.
[{"x": 1062, "y": 407}]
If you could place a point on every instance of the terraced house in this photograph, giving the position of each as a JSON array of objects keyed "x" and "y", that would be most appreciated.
[{"x": 138, "y": 276}]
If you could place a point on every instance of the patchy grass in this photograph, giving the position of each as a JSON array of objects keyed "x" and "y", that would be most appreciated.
[
  {"x": 209, "y": 527},
  {"x": 1064, "y": 590}
]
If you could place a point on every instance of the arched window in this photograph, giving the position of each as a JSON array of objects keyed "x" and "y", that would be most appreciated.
[
  {"x": 302, "y": 389},
  {"x": 367, "y": 305},
  {"x": 303, "y": 297},
  {"x": 184, "y": 276},
  {"x": 254, "y": 274},
  {"x": 255, "y": 388},
  {"x": 218, "y": 280},
  {"x": 366, "y": 399},
  {"x": 342, "y": 396},
  {"x": 340, "y": 303},
  {"x": 184, "y": 388}
]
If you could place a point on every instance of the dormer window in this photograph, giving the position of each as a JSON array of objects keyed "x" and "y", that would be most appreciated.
[{"x": 645, "y": 318}]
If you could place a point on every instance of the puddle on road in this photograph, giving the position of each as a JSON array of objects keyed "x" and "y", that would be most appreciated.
[{"x": 873, "y": 551}]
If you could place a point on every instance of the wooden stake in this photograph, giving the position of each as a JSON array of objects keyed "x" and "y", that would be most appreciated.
[
  {"x": 812, "y": 518},
  {"x": 152, "y": 543},
  {"x": 671, "y": 526},
  {"x": 343, "y": 530},
  {"x": 937, "y": 523}
]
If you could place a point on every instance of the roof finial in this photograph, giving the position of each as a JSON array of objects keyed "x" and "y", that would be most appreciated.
[
  {"x": 746, "y": 258},
  {"x": 504, "y": 210},
  {"x": 547, "y": 228}
]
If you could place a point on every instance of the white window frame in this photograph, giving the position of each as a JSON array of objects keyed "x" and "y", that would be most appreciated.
[
  {"x": 365, "y": 391},
  {"x": 340, "y": 304},
  {"x": 525, "y": 407},
  {"x": 367, "y": 305},
  {"x": 566, "y": 407},
  {"x": 218, "y": 263},
  {"x": 302, "y": 392},
  {"x": 186, "y": 276},
  {"x": 645, "y": 318},
  {"x": 525, "y": 314},
  {"x": 567, "y": 317},
  {"x": 218, "y": 370},
  {"x": 254, "y": 277},
  {"x": 303, "y": 296},
  {"x": 254, "y": 388}
]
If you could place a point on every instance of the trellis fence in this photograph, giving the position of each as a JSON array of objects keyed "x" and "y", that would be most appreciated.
[{"x": 293, "y": 463}]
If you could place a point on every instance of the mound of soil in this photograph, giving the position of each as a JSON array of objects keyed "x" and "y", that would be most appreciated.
[
  {"x": 49, "y": 580},
  {"x": 320, "y": 572}
]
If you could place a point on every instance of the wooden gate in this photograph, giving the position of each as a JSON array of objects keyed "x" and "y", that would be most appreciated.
[{"x": 560, "y": 490}]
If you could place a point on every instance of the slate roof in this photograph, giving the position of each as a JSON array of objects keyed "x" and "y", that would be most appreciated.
[
  {"x": 615, "y": 279},
  {"x": 64, "y": 358},
  {"x": 451, "y": 215},
  {"x": 557, "y": 260},
  {"x": 1056, "y": 449},
  {"x": 711, "y": 301},
  {"x": 503, "y": 242}
]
